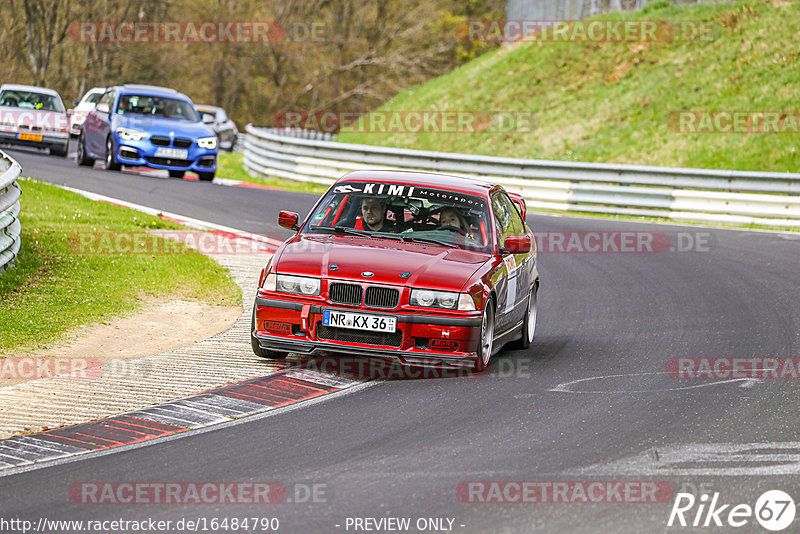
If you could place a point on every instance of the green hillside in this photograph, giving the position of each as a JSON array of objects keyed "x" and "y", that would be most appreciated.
[{"x": 616, "y": 101}]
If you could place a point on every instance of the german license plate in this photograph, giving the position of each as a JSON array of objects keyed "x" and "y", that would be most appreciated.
[
  {"x": 29, "y": 137},
  {"x": 358, "y": 321},
  {"x": 174, "y": 153}
]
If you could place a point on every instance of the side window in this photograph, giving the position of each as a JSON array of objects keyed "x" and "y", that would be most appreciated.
[{"x": 506, "y": 217}]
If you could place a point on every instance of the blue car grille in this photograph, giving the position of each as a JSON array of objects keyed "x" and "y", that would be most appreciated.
[{"x": 163, "y": 140}]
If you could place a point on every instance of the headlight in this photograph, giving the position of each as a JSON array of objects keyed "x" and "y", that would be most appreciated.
[
  {"x": 299, "y": 285},
  {"x": 442, "y": 299},
  {"x": 270, "y": 282},
  {"x": 126, "y": 134},
  {"x": 207, "y": 142}
]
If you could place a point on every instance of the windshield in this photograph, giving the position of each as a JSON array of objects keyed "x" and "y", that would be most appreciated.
[
  {"x": 156, "y": 106},
  {"x": 15, "y": 98},
  {"x": 404, "y": 213},
  {"x": 92, "y": 98}
]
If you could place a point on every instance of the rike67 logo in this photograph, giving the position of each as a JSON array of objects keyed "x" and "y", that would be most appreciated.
[{"x": 774, "y": 510}]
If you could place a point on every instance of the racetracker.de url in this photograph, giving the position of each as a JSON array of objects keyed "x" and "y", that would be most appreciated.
[{"x": 125, "y": 526}]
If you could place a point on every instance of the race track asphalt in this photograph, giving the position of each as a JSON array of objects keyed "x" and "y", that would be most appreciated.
[{"x": 590, "y": 401}]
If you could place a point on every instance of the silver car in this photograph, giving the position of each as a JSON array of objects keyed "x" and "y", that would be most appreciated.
[
  {"x": 35, "y": 117},
  {"x": 222, "y": 125}
]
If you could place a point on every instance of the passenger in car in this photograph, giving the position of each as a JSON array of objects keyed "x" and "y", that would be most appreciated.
[{"x": 452, "y": 216}]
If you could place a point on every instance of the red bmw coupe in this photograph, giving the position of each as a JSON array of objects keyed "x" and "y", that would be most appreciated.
[{"x": 426, "y": 268}]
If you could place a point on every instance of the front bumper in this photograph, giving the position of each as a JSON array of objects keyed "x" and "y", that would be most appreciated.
[
  {"x": 48, "y": 140},
  {"x": 143, "y": 153},
  {"x": 420, "y": 333}
]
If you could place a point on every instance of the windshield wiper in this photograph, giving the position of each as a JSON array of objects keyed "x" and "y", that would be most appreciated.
[
  {"x": 418, "y": 239},
  {"x": 341, "y": 229}
]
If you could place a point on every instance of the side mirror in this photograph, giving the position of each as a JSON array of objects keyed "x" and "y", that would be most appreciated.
[
  {"x": 208, "y": 118},
  {"x": 75, "y": 102},
  {"x": 288, "y": 219},
  {"x": 102, "y": 108},
  {"x": 519, "y": 202},
  {"x": 518, "y": 244}
]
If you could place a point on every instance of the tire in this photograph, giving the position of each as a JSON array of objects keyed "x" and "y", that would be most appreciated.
[
  {"x": 486, "y": 339},
  {"x": 176, "y": 174},
  {"x": 83, "y": 159},
  {"x": 206, "y": 176},
  {"x": 59, "y": 151},
  {"x": 111, "y": 160},
  {"x": 257, "y": 350},
  {"x": 529, "y": 322}
]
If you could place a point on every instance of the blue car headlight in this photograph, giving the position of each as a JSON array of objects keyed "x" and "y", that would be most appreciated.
[
  {"x": 128, "y": 134},
  {"x": 207, "y": 142}
]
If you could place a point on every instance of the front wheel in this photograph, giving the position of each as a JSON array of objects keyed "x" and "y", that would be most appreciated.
[
  {"x": 206, "y": 176},
  {"x": 486, "y": 341},
  {"x": 60, "y": 151},
  {"x": 111, "y": 161},
  {"x": 257, "y": 350},
  {"x": 176, "y": 174}
]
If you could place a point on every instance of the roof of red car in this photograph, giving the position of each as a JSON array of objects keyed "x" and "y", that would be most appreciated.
[{"x": 421, "y": 179}]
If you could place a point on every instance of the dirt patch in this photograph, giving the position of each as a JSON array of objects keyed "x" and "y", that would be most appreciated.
[{"x": 157, "y": 327}]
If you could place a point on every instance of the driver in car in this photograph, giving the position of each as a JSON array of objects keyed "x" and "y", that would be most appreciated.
[{"x": 373, "y": 216}]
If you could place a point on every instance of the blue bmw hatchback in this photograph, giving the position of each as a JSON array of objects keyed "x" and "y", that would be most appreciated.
[{"x": 145, "y": 125}]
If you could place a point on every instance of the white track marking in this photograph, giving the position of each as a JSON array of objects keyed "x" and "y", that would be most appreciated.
[{"x": 565, "y": 387}]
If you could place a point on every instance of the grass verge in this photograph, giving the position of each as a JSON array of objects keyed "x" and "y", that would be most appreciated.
[
  {"x": 615, "y": 102},
  {"x": 231, "y": 167},
  {"x": 53, "y": 289}
]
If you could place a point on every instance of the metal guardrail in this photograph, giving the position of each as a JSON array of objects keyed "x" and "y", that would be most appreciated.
[
  {"x": 737, "y": 197},
  {"x": 10, "y": 208}
]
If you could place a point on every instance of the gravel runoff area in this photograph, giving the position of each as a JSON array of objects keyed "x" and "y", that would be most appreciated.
[{"x": 131, "y": 384}]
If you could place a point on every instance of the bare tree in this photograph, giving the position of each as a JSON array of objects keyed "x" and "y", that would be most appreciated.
[{"x": 45, "y": 23}]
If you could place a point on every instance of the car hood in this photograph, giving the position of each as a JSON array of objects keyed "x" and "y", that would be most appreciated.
[
  {"x": 164, "y": 126},
  {"x": 430, "y": 266}
]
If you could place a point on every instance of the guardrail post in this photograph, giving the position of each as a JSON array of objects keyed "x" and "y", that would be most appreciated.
[{"x": 10, "y": 227}]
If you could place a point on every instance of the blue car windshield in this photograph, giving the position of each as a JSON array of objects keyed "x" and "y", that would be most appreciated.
[{"x": 156, "y": 106}]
